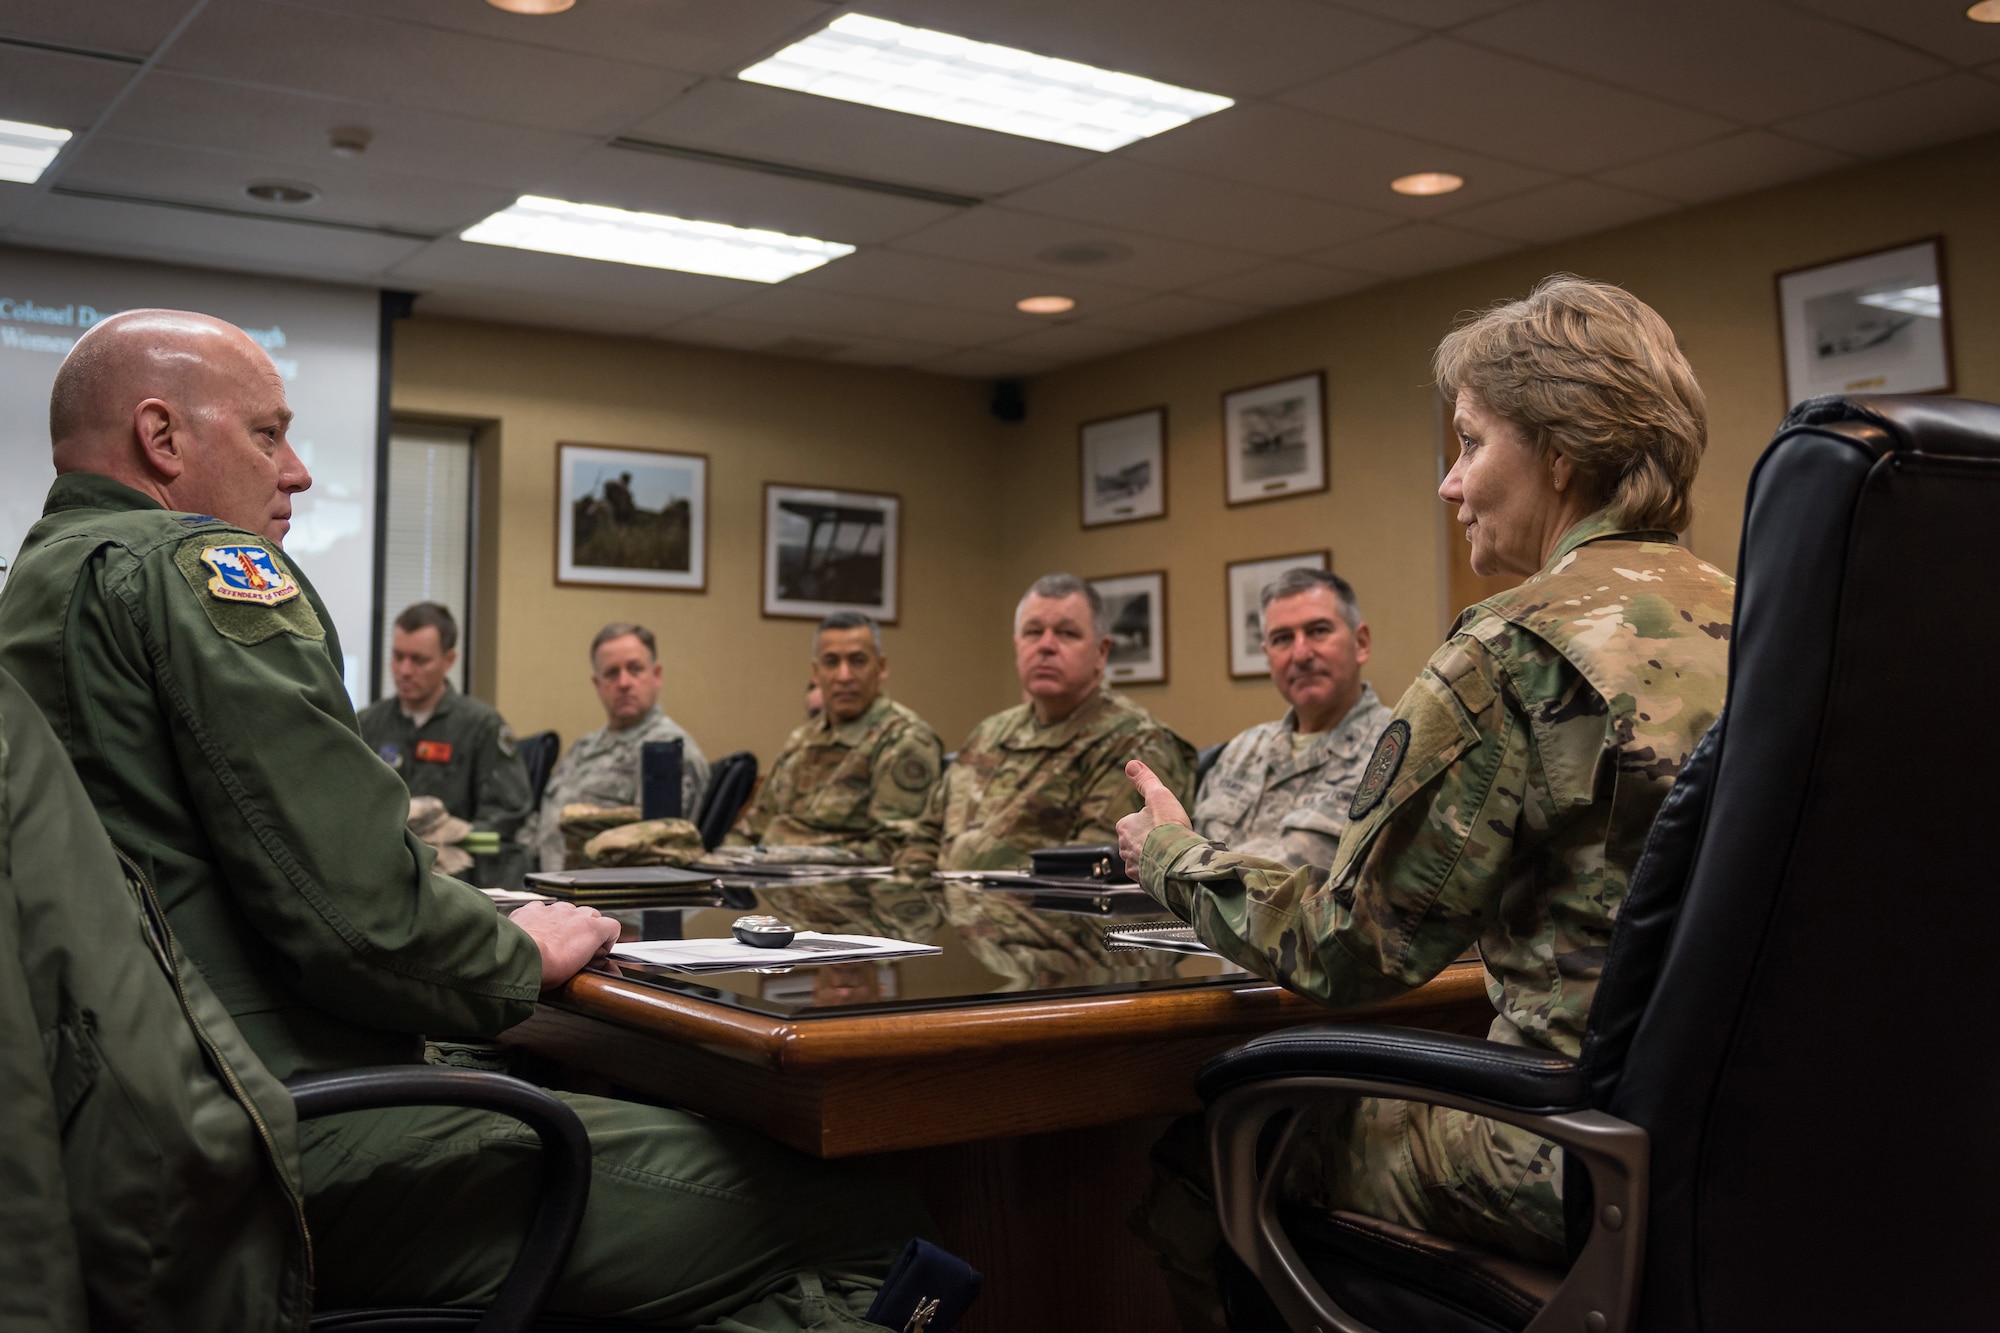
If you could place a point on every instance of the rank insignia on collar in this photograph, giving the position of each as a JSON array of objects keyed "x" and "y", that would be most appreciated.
[{"x": 248, "y": 574}]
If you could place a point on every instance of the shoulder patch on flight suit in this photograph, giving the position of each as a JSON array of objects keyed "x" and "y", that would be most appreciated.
[
  {"x": 505, "y": 740},
  {"x": 1381, "y": 770},
  {"x": 913, "y": 772},
  {"x": 246, "y": 589}
]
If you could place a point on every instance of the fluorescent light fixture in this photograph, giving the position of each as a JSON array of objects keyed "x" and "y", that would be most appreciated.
[
  {"x": 1925, "y": 301},
  {"x": 1427, "y": 183},
  {"x": 878, "y": 63},
  {"x": 26, "y": 150},
  {"x": 653, "y": 240}
]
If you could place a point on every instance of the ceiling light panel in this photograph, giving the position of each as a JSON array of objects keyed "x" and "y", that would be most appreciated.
[
  {"x": 26, "y": 150},
  {"x": 925, "y": 73},
  {"x": 653, "y": 240}
]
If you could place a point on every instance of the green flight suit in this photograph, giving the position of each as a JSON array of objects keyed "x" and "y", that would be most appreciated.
[
  {"x": 463, "y": 754},
  {"x": 1505, "y": 805},
  {"x": 149, "y": 1173},
  {"x": 193, "y": 675}
]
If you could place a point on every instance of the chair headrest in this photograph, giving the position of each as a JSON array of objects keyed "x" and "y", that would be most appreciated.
[{"x": 1925, "y": 425}]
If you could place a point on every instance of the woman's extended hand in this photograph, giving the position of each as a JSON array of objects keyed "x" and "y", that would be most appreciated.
[{"x": 1160, "y": 808}]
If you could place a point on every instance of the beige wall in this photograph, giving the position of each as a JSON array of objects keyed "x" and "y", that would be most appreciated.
[
  {"x": 734, "y": 679},
  {"x": 1710, "y": 271},
  {"x": 989, "y": 507}
]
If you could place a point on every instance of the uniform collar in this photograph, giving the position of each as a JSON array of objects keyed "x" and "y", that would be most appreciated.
[
  {"x": 1032, "y": 735},
  {"x": 1280, "y": 754},
  {"x": 1599, "y": 526},
  {"x": 646, "y": 719},
  {"x": 443, "y": 705},
  {"x": 825, "y": 731},
  {"x": 87, "y": 490}
]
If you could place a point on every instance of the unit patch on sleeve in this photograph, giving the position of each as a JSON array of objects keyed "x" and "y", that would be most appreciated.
[
  {"x": 246, "y": 589},
  {"x": 248, "y": 574},
  {"x": 1381, "y": 770},
  {"x": 433, "y": 752}
]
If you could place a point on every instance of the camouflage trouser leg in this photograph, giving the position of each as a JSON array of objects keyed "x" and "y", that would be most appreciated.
[{"x": 1421, "y": 1166}]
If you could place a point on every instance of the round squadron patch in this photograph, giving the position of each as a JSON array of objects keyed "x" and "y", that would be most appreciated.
[
  {"x": 913, "y": 772},
  {"x": 506, "y": 741},
  {"x": 1381, "y": 770}
]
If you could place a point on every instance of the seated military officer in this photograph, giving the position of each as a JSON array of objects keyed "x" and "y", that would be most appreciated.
[
  {"x": 856, "y": 776},
  {"x": 1281, "y": 789},
  {"x": 602, "y": 768},
  {"x": 1050, "y": 771},
  {"x": 440, "y": 742}
]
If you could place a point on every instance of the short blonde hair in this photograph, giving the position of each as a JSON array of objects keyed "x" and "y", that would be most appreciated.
[{"x": 1590, "y": 370}]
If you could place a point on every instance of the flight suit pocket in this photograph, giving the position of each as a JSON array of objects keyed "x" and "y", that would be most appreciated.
[{"x": 70, "y": 1052}]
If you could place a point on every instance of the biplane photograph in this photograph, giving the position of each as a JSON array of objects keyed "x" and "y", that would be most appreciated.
[
  {"x": 1124, "y": 465},
  {"x": 631, "y": 517},
  {"x": 1275, "y": 438},
  {"x": 827, "y": 551}
]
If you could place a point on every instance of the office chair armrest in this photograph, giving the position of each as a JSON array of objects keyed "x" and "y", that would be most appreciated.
[
  {"x": 1515, "y": 1077},
  {"x": 565, "y": 1160},
  {"x": 1271, "y": 1080}
]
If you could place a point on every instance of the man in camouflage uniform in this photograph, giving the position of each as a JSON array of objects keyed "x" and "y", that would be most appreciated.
[
  {"x": 1281, "y": 789},
  {"x": 440, "y": 742},
  {"x": 1506, "y": 805},
  {"x": 602, "y": 769},
  {"x": 1051, "y": 771},
  {"x": 856, "y": 776}
]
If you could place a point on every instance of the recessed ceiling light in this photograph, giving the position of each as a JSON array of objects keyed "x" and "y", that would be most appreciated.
[
  {"x": 281, "y": 192},
  {"x": 532, "y": 6},
  {"x": 1986, "y": 11},
  {"x": 1045, "y": 305},
  {"x": 925, "y": 73},
  {"x": 652, "y": 240},
  {"x": 1427, "y": 182},
  {"x": 26, "y": 150}
]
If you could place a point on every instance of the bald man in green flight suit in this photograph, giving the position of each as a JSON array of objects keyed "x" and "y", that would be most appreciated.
[{"x": 192, "y": 673}]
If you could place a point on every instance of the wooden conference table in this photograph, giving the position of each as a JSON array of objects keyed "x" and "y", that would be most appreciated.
[{"x": 1014, "y": 1081}]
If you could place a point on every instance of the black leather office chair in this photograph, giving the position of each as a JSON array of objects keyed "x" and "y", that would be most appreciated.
[
  {"x": 1783, "y": 1114},
  {"x": 565, "y": 1191},
  {"x": 731, "y": 779},
  {"x": 1205, "y": 760},
  {"x": 538, "y": 754}
]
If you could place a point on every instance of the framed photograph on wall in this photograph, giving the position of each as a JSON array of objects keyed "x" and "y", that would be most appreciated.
[
  {"x": 1124, "y": 466},
  {"x": 1246, "y": 580},
  {"x": 1135, "y": 609},
  {"x": 631, "y": 518},
  {"x": 827, "y": 551},
  {"x": 1874, "y": 323},
  {"x": 1274, "y": 439}
]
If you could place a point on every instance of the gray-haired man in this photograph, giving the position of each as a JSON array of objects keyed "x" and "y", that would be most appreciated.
[
  {"x": 1281, "y": 789},
  {"x": 858, "y": 773}
]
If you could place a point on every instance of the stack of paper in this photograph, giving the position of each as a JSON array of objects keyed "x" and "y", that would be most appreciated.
[{"x": 808, "y": 948}]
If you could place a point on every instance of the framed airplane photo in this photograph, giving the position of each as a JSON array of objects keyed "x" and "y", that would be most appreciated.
[
  {"x": 1124, "y": 465},
  {"x": 827, "y": 551}
]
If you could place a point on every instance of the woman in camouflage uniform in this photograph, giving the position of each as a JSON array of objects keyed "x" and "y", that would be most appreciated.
[{"x": 1509, "y": 798}]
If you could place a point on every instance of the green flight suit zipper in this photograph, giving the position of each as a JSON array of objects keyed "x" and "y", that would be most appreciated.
[{"x": 161, "y": 939}]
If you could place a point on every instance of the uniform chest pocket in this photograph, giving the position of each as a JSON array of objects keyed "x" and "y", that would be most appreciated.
[
  {"x": 1225, "y": 799},
  {"x": 69, "y": 1050}
]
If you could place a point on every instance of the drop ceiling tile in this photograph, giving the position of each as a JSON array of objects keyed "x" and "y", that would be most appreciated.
[
  {"x": 296, "y": 127},
  {"x": 549, "y": 312},
  {"x": 182, "y": 236},
  {"x": 463, "y": 265},
  {"x": 133, "y": 27},
  {"x": 1955, "y": 107},
  {"x": 1246, "y": 48},
  {"x": 801, "y": 310},
  {"x": 1285, "y": 284},
  {"x": 1939, "y": 28},
  {"x": 64, "y": 92},
  {"x": 1752, "y": 160},
  {"x": 926, "y": 279},
  {"x": 779, "y": 125},
  {"x": 710, "y": 193},
  {"x": 398, "y": 64},
  {"x": 1456, "y": 94},
  {"x": 1262, "y": 143},
  {"x": 1431, "y": 13},
  {"x": 705, "y": 36},
  {"x": 985, "y": 363},
  {"x": 1115, "y": 192},
  {"x": 1569, "y": 208},
  {"x": 161, "y": 171},
  {"x": 15, "y": 199},
  {"x": 995, "y": 235},
  {"x": 1170, "y": 315},
  {"x": 721, "y": 330},
  {"x": 1419, "y": 247},
  {"x": 1066, "y": 344},
  {"x": 888, "y": 352},
  {"x": 1743, "y": 59}
]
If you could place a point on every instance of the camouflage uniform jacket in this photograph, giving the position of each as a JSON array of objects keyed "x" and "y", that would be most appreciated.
[
  {"x": 858, "y": 784},
  {"x": 603, "y": 769},
  {"x": 1506, "y": 803},
  {"x": 1263, "y": 799},
  {"x": 1017, "y": 785}
]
